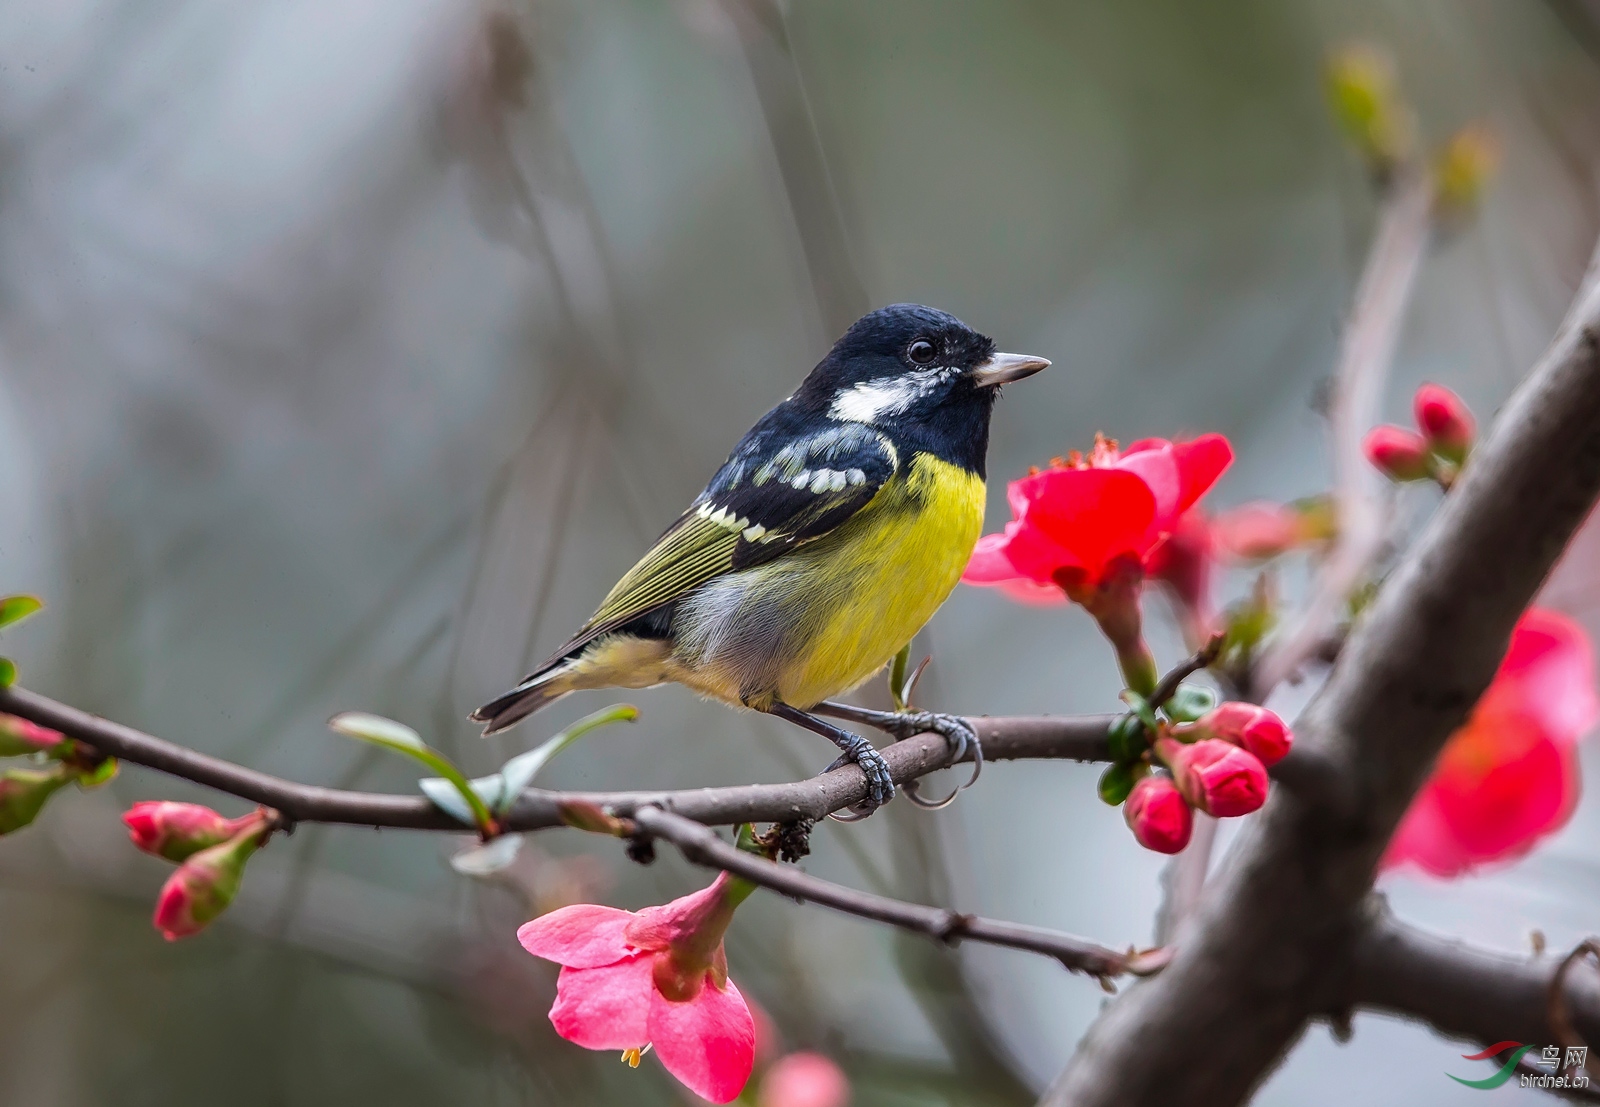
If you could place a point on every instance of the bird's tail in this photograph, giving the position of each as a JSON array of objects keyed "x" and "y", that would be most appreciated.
[{"x": 541, "y": 688}]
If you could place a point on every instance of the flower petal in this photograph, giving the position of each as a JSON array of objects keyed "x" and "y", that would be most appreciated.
[
  {"x": 583, "y": 936},
  {"x": 989, "y": 563},
  {"x": 708, "y": 1042},
  {"x": 1155, "y": 462},
  {"x": 1200, "y": 463},
  {"x": 1089, "y": 517},
  {"x": 1548, "y": 675},
  {"x": 1500, "y": 814},
  {"x": 605, "y": 1008}
]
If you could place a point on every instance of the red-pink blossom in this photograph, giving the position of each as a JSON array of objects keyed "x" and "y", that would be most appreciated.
[
  {"x": 177, "y": 831},
  {"x": 1257, "y": 530},
  {"x": 1249, "y": 727},
  {"x": 1445, "y": 421},
  {"x": 1216, "y": 777},
  {"x": 1086, "y": 519},
  {"x": 19, "y": 736},
  {"x": 1158, "y": 815},
  {"x": 1510, "y": 776},
  {"x": 1184, "y": 563},
  {"x": 657, "y": 977},
  {"x": 804, "y": 1080},
  {"x": 1397, "y": 453},
  {"x": 204, "y": 885}
]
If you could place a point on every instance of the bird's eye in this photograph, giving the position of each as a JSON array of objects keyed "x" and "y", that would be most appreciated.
[{"x": 922, "y": 351}]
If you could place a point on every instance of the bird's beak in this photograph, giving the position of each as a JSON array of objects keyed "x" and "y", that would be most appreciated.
[{"x": 1005, "y": 368}]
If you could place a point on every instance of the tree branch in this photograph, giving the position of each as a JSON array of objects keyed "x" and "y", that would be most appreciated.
[
  {"x": 1460, "y": 991},
  {"x": 700, "y": 844},
  {"x": 1261, "y": 955},
  {"x": 1079, "y": 738}
]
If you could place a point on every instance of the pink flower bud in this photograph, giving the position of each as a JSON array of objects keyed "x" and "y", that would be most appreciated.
[
  {"x": 23, "y": 793},
  {"x": 1398, "y": 454},
  {"x": 1216, "y": 777},
  {"x": 19, "y": 737},
  {"x": 804, "y": 1080},
  {"x": 1158, "y": 815},
  {"x": 177, "y": 831},
  {"x": 203, "y": 886},
  {"x": 1445, "y": 421},
  {"x": 1249, "y": 727}
]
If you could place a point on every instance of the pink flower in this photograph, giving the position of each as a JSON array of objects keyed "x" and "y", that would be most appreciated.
[
  {"x": 1184, "y": 564},
  {"x": 206, "y": 883},
  {"x": 1509, "y": 777},
  {"x": 804, "y": 1080},
  {"x": 1445, "y": 421},
  {"x": 1085, "y": 521},
  {"x": 1397, "y": 453},
  {"x": 657, "y": 977},
  {"x": 177, "y": 831},
  {"x": 20, "y": 737},
  {"x": 1257, "y": 530},
  {"x": 1249, "y": 727},
  {"x": 1215, "y": 776},
  {"x": 1158, "y": 815}
]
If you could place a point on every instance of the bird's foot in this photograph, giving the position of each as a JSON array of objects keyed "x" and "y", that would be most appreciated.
[
  {"x": 880, "y": 785},
  {"x": 958, "y": 733}
]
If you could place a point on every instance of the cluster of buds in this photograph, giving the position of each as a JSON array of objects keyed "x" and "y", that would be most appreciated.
[
  {"x": 1215, "y": 761},
  {"x": 210, "y": 851},
  {"x": 54, "y": 761},
  {"x": 1436, "y": 450}
]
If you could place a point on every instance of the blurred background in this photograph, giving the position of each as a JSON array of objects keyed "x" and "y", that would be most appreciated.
[{"x": 350, "y": 350}]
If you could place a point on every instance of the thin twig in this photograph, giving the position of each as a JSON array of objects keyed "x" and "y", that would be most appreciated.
[
  {"x": 701, "y": 845},
  {"x": 1366, "y": 351},
  {"x": 1080, "y": 738}
]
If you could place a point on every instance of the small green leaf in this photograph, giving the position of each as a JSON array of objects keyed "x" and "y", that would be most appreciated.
[
  {"x": 1189, "y": 702},
  {"x": 402, "y": 739},
  {"x": 377, "y": 730},
  {"x": 488, "y": 859},
  {"x": 100, "y": 774},
  {"x": 8, "y": 672},
  {"x": 448, "y": 799},
  {"x": 1141, "y": 707},
  {"x": 515, "y": 775},
  {"x": 14, "y": 609},
  {"x": 1127, "y": 738},
  {"x": 1115, "y": 783},
  {"x": 897, "y": 676}
]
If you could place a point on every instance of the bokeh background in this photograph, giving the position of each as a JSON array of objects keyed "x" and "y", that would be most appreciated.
[{"x": 349, "y": 349}]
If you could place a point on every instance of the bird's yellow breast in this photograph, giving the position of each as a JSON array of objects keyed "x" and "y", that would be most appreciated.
[{"x": 854, "y": 597}]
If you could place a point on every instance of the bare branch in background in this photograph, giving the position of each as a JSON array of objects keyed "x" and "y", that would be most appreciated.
[
  {"x": 701, "y": 845},
  {"x": 1264, "y": 951},
  {"x": 841, "y": 297},
  {"x": 1366, "y": 351}
]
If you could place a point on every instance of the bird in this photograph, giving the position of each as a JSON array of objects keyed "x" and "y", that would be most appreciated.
[{"x": 829, "y": 537}]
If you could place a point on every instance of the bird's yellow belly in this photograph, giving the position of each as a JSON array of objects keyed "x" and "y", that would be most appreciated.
[{"x": 842, "y": 606}]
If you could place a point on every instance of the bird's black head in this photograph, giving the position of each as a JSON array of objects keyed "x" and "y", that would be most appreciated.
[{"x": 921, "y": 375}]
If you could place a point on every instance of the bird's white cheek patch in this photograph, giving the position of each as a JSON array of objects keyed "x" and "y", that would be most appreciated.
[{"x": 869, "y": 401}]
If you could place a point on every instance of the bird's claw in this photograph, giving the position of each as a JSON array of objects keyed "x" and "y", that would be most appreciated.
[
  {"x": 880, "y": 785},
  {"x": 958, "y": 734}
]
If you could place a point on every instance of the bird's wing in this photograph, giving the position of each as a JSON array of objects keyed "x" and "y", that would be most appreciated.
[{"x": 774, "y": 493}]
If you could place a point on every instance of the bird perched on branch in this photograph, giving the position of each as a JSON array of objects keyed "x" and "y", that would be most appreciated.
[{"x": 832, "y": 533}]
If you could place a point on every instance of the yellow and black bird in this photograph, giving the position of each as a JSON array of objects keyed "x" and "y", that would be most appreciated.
[{"x": 832, "y": 533}]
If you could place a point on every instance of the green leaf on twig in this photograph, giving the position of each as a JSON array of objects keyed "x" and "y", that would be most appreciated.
[
  {"x": 8, "y": 672},
  {"x": 1189, "y": 702},
  {"x": 518, "y": 773},
  {"x": 1141, "y": 707},
  {"x": 1115, "y": 783},
  {"x": 14, "y": 609},
  {"x": 402, "y": 739}
]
